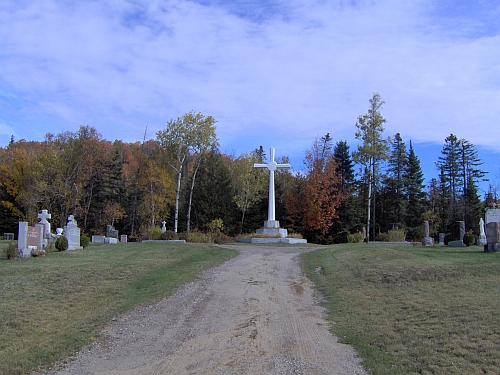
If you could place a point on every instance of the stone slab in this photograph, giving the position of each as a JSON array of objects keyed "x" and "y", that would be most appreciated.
[
  {"x": 110, "y": 240},
  {"x": 493, "y": 232},
  {"x": 290, "y": 241},
  {"x": 457, "y": 243},
  {"x": 99, "y": 239},
  {"x": 8, "y": 236},
  {"x": 427, "y": 241},
  {"x": 164, "y": 241},
  {"x": 273, "y": 232}
]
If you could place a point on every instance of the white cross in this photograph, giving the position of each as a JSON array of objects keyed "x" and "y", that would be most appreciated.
[
  {"x": 272, "y": 166},
  {"x": 44, "y": 216}
]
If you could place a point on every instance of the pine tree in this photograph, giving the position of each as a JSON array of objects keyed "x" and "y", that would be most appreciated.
[
  {"x": 414, "y": 193},
  {"x": 394, "y": 183},
  {"x": 373, "y": 149}
]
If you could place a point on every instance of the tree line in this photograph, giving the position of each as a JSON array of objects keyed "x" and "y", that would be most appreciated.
[{"x": 182, "y": 178}]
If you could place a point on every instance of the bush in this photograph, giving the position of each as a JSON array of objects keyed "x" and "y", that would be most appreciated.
[
  {"x": 220, "y": 238},
  {"x": 396, "y": 235},
  {"x": 11, "y": 251},
  {"x": 169, "y": 235},
  {"x": 61, "y": 243},
  {"x": 469, "y": 239},
  {"x": 382, "y": 237},
  {"x": 355, "y": 238},
  {"x": 154, "y": 233},
  {"x": 84, "y": 240}
]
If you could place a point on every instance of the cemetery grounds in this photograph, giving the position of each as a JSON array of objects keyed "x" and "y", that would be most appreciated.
[{"x": 405, "y": 309}]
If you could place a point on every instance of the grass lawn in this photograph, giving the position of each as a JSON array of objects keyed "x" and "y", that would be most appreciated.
[
  {"x": 50, "y": 307},
  {"x": 413, "y": 310}
]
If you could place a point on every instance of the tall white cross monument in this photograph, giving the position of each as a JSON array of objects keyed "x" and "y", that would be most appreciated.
[{"x": 271, "y": 225}]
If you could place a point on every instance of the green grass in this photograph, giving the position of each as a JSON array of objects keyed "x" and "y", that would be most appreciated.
[
  {"x": 51, "y": 307},
  {"x": 413, "y": 310}
]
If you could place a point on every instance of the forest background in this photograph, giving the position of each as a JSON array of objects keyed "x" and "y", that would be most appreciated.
[{"x": 182, "y": 177}]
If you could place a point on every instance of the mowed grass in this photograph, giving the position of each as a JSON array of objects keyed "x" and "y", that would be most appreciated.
[
  {"x": 413, "y": 310},
  {"x": 51, "y": 307}
]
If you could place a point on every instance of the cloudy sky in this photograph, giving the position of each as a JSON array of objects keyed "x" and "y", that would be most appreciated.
[{"x": 272, "y": 73}]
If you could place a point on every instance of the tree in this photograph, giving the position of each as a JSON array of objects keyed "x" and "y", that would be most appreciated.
[
  {"x": 394, "y": 183},
  {"x": 414, "y": 193},
  {"x": 321, "y": 194},
  {"x": 191, "y": 133},
  {"x": 373, "y": 149},
  {"x": 213, "y": 197},
  {"x": 249, "y": 185},
  {"x": 348, "y": 219},
  {"x": 459, "y": 167}
]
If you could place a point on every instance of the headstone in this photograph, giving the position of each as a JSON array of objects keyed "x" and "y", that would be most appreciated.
[
  {"x": 481, "y": 241},
  {"x": 457, "y": 230},
  {"x": 492, "y": 237},
  {"x": 492, "y": 215},
  {"x": 99, "y": 239},
  {"x": 8, "y": 236},
  {"x": 123, "y": 238},
  {"x": 427, "y": 240},
  {"x": 163, "y": 228},
  {"x": 29, "y": 239},
  {"x": 441, "y": 238},
  {"x": 22, "y": 239},
  {"x": 271, "y": 225},
  {"x": 364, "y": 233},
  {"x": 111, "y": 231},
  {"x": 110, "y": 240},
  {"x": 72, "y": 234},
  {"x": 44, "y": 216}
]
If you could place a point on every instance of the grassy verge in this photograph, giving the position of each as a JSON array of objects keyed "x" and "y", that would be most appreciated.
[
  {"x": 413, "y": 310},
  {"x": 50, "y": 307}
]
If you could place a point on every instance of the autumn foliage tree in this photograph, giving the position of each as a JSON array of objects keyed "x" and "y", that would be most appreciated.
[{"x": 316, "y": 205}]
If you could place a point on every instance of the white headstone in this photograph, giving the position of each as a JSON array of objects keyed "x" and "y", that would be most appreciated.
[
  {"x": 22, "y": 239},
  {"x": 72, "y": 234},
  {"x": 271, "y": 223},
  {"x": 492, "y": 216},
  {"x": 163, "y": 228}
]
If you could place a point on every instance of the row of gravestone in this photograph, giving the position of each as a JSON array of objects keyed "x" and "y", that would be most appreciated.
[
  {"x": 489, "y": 235},
  {"x": 111, "y": 236},
  {"x": 35, "y": 238}
]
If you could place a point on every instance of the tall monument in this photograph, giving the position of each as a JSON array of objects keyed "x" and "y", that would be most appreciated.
[{"x": 271, "y": 225}]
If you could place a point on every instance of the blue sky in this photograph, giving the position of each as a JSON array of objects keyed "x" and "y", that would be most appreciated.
[{"x": 273, "y": 73}]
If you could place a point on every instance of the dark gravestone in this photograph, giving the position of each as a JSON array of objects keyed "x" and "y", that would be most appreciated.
[{"x": 457, "y": 232}]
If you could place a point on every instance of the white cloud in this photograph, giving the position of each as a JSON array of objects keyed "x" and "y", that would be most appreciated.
[{"x": 262, "y": 69}]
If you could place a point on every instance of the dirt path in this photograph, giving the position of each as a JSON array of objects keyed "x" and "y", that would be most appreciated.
[{"x": 253, "y": 315}]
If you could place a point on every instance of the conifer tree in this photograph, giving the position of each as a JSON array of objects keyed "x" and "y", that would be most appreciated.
[{"x": 413, "y": 178}]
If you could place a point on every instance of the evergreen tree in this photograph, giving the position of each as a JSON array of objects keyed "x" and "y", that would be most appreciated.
[
  {"x": 349, "y": 216},
  {"x": 373, "y": 150},
  {"x": 213, "y": 196},
  {"x": 394, "y": 184},
  {"x": 414, "y": 193}
]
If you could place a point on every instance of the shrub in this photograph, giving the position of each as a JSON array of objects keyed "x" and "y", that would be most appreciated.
[
  {"x": 383, "y": 237},
  {"x": 220, "y": 238},
  {"x": 84, "y": 240},
  {"x": 154, "y": 233},
  {"x": 216, "y": 225},
  {"x": 355, "y": 238},
  {"x": 61, "y": 243},
  {"x": 397, "y": 235},
  {"x": 11, "y": 251},
  {"x": 469, "y": 239},
  {"x": 169, "y": 235}
]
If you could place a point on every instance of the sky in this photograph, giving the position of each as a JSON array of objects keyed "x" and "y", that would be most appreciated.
[{"x": 272, "y": 73}]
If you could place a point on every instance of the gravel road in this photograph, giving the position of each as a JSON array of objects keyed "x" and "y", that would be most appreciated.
[{"x": 255, "y": 314}]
